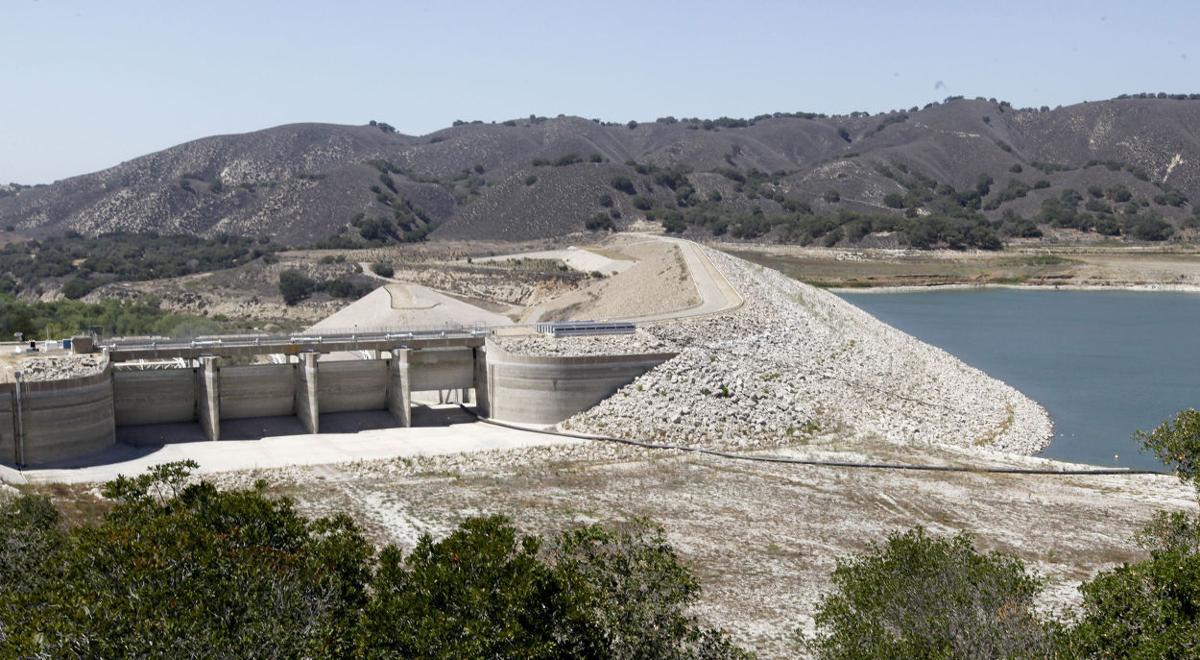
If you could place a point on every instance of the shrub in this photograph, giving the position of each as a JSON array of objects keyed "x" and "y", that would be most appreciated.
[
  {"x": 531, "y": 179},
  {"x": 78, "y": 287},
  {"x": 1171, "y": 198},
  {"x": 643, "y": 203},
  {"x": 191, "y": 569},
  {"x": 295, "y": 286},
  {"x": 383, "y": 269},
  {"x": 1149, "y": 227},
  {"x": 606, "y": 200},
  {"x": 920, "y": 596},
  {"x": 893, "y": 200},
  {"x": 600, "y": 222},
  {"x": 623, "y": 184},
  {"x": 831, "y": 196}
]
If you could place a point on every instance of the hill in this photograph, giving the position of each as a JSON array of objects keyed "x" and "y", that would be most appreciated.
[{"x": 956, "y": 172}]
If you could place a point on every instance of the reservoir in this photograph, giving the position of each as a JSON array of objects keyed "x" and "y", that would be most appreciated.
[{"x": 1103, "y": 363}]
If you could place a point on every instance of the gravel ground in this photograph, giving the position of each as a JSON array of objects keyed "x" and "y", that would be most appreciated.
[
  {"x": 796, "y": 361},
  {"x": 545, "y": 345},
  {"x": 56, "y": 368}
]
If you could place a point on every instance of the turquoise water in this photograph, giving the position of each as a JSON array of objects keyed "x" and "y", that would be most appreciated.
[{"x": 1103, "y": 363}]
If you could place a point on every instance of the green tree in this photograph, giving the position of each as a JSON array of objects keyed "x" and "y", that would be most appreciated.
[
  {"x": 624, "y": 184},
  {"x": 178, "y": 568},
  {"x": 295, "y": 286},
  {"x": 917, "y": 596},
  {"x": 1177, "y": 443},
  {"x": 383, "y": 269},
  {"x": 184, "y": 571},
  {"x": 1151, "y": 608}
]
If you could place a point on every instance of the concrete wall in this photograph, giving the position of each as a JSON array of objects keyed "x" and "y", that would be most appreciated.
[
  {"x": 441, "y": 369},
  {"x": 546, "y": 390},
  {"x": 154, "y": 396},
  {"x": 259, "y": 390},
  {"x": 8, "y": 446},
  {"x": 344, "y": 385},
  {"x": 61, "y": 419}
]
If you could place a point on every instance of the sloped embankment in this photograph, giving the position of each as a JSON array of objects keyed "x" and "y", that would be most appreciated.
[{"x": 796, "y": 360}]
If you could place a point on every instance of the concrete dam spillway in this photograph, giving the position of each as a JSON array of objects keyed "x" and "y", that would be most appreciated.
[{"x": 140, "y": 386}]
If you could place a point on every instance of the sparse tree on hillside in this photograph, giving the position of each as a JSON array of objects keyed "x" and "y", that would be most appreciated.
[
  {"x": 295, "y": 286},
  {"x": 383, "y": 269}
]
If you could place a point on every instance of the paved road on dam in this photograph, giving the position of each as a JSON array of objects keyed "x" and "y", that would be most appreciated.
[{"x": 717, "y": 295}]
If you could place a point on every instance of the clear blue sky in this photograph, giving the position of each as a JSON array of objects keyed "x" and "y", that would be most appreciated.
[{"x": 85, "y": 84}]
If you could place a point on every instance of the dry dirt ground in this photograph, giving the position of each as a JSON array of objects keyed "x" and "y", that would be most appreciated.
[
  {"x": 1165, "y": 267},
  {"x": 762, "y": 538},
  {"x": 657, "y": 282}
]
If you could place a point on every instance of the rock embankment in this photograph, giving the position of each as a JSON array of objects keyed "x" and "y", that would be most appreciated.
[
  {"x": 59, "y": 368},
  {"x": 796, "y": 361},
  {"x": 640, "y": 341}
]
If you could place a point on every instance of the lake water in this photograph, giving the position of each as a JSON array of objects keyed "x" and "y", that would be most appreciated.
[{"x": 1103, "y": 363}]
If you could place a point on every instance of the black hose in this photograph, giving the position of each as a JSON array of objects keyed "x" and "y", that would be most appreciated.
[{"x": 1091, "y": 472}]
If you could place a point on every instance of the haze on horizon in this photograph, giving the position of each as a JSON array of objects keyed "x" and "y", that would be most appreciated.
[{"x": 88, "y": 86}]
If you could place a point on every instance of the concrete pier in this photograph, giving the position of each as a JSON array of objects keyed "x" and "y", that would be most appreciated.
[
  {"x": 399, "y": 392},
  {"x": 307, "y": 384},
  {"x": 208, "y": 396}
]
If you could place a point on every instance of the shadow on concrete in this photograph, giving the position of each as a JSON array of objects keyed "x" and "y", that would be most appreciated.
[{"x": 444, "y": 415}]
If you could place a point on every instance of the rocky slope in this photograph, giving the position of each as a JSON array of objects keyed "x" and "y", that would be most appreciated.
[
  {"x": 541, "y": 177},
  {"x": 795, "y": 361}
]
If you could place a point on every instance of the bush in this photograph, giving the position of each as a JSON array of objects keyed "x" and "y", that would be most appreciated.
[
  {"x": 191, "y": 569},
  {"x": 295, "y": 286},
  {"x": 600, "y": 222},
  {"x": 383, "y": 269},
  {"x": 1151, "y": 609},
  {"x": 623, "y": 184},
  {"x": 1149, "y": 228},
  {"x": 78, "y": 287},
  {"x": 831, "y": 196},
  {"x": 894, "y": 200},
  {"x": 919, "y": 596},
  {"x": 531, "y": 179},
  {"x": 643, "y": 203}
]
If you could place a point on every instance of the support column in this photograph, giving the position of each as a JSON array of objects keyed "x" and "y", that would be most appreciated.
[
  {"x": 399, "y": 395},
  {"x": 208, "y": 397},
  {"x": 482, "y": 393},
  {"x": 306, "y": 392}
]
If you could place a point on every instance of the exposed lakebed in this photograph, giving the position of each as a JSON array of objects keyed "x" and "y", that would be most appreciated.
[{"x": 1103, "y": 363}]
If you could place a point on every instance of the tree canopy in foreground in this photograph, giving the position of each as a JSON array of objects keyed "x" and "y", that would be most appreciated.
[
  {"x": 182, "y": 569},
  {"x": 927, "y": 597}
]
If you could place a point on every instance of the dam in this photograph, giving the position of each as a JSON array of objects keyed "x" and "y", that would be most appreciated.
[{"x": 146, "y": 384}]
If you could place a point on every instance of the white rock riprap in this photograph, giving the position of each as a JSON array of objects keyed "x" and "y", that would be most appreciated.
[
  {"x": 640, "y": 341},
  {"x": 794, "y": 361},
  {"x": 58, "y": 368}
]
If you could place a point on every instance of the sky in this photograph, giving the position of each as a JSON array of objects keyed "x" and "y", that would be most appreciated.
[{"x": 85, "y": 85}]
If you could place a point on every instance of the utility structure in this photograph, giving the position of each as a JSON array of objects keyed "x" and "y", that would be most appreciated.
[{"x": 208, "y": 381}]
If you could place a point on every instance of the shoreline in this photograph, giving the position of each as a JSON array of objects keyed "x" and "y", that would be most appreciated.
[{"x": 966, "y": 286}]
